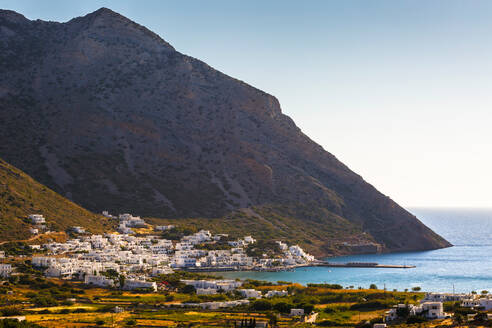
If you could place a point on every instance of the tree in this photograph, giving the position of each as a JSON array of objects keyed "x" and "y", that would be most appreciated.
[
  {"x": 480, "y": 317},
  {"x": 261, "y": 305},
  {"x": 110, "y": 273},
  {"x": 458, "y": 319},
  {"x": 403, "y": 312},
  {"x": 373, "y": 286},
  {"x": 415, "y": 319},
  {"x": 189, "y": 289},
  {"x": 308, "y": 308},
  {"x": 121, "y": 280},
  {"x": 416, "y": 289},
  {"x": 272, "y": 319},
  {"x": 282, "y": 307}
]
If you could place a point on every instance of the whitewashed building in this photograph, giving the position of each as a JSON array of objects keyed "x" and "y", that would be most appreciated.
[
  {"x": 433, "y": 310},
  {"x": 296, "y": 312},
  {"x": 100, "y": 281},
  {"x": 5, "y": 270},
  {"x": 131, "y": 284},
  {"x": 206, "y": 291},
  {"x": 249, "y": 293},
  {"x": 223, "y": 284},
  {"x": 276, "y": 293},
  {"x": 164, "y": 227},
  {"x": 78, "y": 229},
  {"x": 37, "y": 219}
]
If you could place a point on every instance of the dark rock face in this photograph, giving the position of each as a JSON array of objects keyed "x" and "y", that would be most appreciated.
[{"x": 108, "y": 114}]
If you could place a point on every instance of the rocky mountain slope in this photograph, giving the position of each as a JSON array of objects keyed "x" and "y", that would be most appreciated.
[
  {"x": 20, "y": 196},
  {"x": 110, "y": 115}
]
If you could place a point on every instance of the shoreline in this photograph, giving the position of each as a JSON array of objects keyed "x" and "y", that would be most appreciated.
[{"x": 306, "y": 265}]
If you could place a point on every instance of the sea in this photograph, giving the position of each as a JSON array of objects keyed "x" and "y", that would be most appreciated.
[{"x": 465, "y": 267}]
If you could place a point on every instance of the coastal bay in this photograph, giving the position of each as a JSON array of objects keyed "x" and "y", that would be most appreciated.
[{"x": 465, "y": 267}]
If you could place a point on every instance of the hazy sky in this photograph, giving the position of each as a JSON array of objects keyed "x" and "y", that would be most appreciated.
[{"x": 400, "y": 91}]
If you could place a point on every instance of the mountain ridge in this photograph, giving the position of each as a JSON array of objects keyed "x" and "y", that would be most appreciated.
[{"x": 112, "y": 117}]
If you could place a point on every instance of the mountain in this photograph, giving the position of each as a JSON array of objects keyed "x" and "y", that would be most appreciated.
[
  {"x": 20, "y": 196},
  {"x": 111, "y": 116}
]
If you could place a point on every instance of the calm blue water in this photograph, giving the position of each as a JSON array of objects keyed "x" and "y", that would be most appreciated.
[{"x": 467, "y": 265}]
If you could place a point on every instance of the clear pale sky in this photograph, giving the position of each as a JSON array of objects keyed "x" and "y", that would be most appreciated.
[{"x": 400, "y": 91}]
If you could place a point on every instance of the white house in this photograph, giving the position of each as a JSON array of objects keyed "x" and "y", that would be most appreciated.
[
  {"x": 135, "y": 222},
  {"x": 198, "y": 238},
  {"x": 125, "y": 216},
  {"x": 276, "y": 293},
  {"x": 283, "y": 246},
  {"x": 445, "y": 297},
  {"x": 34, "y": 231},
  {"x": 470, "y": 303},
  {"x": 100, "y": 281},
  {"x": 78, "y": 229},
  {"x": 131, "y": 284},
  {"x": 486, "y": 304},
  {"x": 164, "y": 228},
  {"x": 296, "y": 312},
  {"x": 122, "y": 228},
  {"x": 161, "y": 270},
  {"x": 299, "y": 252},
  {"x": 224, "y": 284},
  {"x": 206, "y": 291},
  {"x": 5, "y": 270},
  {"x": 249, "y": 239},
  {"x": 433, "y": 310},
  {"x": 42, "y": 261},
  {"x": 37, "y": 219},
  {"x": 249, "y": 293},
  {"x": 183, "y": 262}
]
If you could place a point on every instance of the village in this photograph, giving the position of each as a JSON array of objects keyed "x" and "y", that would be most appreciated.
[
  {"x": 137, "y": 258},
  {"x": 86, "y": 257}
]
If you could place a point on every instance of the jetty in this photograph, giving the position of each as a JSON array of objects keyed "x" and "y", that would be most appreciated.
[{"x": 358, "y": 265}]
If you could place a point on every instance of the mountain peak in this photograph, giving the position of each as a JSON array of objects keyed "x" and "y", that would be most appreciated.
[
  {"x": 104, "y": 11},
  {"x": 102, "y": 111},
  {"x": 107, "y": 18}
]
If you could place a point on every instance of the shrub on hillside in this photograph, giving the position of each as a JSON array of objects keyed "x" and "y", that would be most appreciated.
[
  {"x": 10, "y": 311},
  {"x": 44, "y": 301},
  {"x": 329, "y": 286},
  {"x": 371, "y": 305},
  {"x": 261, "y": 305},
  {"x": 283, "y": 307},
  {"x": 14, "y": 323},
  {"x": 415, "y": 319}
]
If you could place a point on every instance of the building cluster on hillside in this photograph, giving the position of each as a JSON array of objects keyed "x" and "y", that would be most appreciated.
[
  {"x": 472, "y": 300},
  {"x": 38, "y": 223},
  {"x": 431, "y": 306},
  {"x": 295, "y": 253},
  {"x": 128, "y": 221},
  {"x": 87, "y": 257}
]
